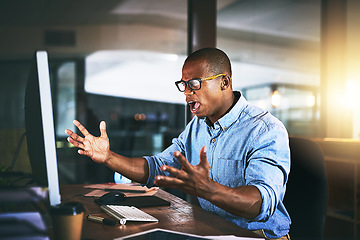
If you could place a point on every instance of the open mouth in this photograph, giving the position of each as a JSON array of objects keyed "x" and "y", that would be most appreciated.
[{"x": 194, "y": 106}]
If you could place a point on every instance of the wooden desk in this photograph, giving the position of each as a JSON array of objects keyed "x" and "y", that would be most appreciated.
[{"x": 180, "y": 216}]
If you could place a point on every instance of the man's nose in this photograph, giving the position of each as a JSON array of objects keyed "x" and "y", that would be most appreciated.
[{"x": 188, "y": 90}]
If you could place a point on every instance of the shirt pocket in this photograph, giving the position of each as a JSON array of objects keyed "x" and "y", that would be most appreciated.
[{"x": 228, "y": 172}]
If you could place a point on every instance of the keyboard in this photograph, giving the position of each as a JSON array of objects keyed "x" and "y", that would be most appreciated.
[{"x": 127, "y": 213}]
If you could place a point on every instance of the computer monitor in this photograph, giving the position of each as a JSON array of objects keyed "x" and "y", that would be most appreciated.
[{"x": 39, "y": 124}]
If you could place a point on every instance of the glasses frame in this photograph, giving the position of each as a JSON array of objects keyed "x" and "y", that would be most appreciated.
[{"x": 186, "y": 83}]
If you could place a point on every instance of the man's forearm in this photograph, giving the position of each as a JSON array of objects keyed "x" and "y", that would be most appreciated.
[
  {"x": 244, "y": 201},
  {"x": 135, "y": 169}
]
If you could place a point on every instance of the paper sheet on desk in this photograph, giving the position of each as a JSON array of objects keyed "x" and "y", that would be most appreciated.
[
  {"x": 99, "y": 193},
  {"x": 232, "y": 237},
  {"x": 130, "y": 190}
]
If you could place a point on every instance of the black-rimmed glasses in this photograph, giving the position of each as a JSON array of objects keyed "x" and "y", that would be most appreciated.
[{"x": 194, "y": 84}]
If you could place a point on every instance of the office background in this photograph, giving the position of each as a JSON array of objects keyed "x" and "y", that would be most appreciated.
[{"x": 117, "y": 61}]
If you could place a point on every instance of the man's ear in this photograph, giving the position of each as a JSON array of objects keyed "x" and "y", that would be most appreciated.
[{"x": 225, "y": 83}]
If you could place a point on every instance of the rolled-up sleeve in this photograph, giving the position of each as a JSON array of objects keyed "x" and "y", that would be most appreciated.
[
  {"x": 268, "y": 167},
  {"x": 165, "y": 158}
]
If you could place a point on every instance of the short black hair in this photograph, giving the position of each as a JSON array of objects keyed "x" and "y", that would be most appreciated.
[{"x": 217, "y": 60}]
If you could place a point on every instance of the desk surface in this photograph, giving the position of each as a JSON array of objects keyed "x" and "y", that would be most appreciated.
[{"x": 180, "y": 216}]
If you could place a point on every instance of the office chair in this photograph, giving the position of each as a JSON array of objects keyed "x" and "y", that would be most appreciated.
[{"x": 306, "y": 197}]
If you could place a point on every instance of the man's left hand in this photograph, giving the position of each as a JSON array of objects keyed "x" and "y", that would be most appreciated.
[{"x": 193, "y": 180}]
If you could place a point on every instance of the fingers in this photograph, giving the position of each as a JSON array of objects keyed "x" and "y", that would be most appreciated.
[
  {"x": 79, "y": 145},
  {"x": 170, "y": 182},
  {"x": 74, "y": 140},
  {"x": 183, "y": 161},
  {"x": 73, "y": 136},
  {"x": 81, "y": 128},
  {"x": 203, "y": 159},
  {"x": 189, "y": 177},
  {"x": 85, "y": 153},
  {"x": 175, "y": 172},
  {"x": 84, "y": 143},
  {"x": 103, "y": 133}
]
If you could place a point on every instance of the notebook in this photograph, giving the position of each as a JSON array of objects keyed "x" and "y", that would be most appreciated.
[{"x": 139, "y": 202}]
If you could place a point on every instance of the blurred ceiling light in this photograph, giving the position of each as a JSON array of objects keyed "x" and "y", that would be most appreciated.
[
  {"x": 140, "y": 117},
  {"x": 275, "y": 98}
]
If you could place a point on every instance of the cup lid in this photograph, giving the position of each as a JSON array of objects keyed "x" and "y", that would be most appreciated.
[{"x": 69, "y": 208}]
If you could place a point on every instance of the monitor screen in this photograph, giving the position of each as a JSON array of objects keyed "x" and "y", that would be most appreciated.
[{"x": 39, "y": 124}]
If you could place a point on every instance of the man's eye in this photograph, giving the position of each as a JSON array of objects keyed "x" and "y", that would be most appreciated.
[{"x": 194, "y": 83}]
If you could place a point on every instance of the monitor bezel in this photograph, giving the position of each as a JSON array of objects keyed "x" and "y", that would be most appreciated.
[{"x": 38, "y": 101}]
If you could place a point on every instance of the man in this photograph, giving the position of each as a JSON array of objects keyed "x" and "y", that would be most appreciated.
[{"x": 233, "y": 156}]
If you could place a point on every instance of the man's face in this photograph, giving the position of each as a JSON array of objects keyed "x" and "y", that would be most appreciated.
[{"x": 207, "y": 101}]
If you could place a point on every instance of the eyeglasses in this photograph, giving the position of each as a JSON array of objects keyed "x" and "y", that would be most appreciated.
[{"x": 194, "y": 84}]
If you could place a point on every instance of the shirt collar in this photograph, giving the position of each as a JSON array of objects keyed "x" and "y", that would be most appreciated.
[{"x": 228, "y": 119}]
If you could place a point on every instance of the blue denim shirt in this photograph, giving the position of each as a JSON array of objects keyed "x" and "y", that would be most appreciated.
[{"x": 247, "y": 146}]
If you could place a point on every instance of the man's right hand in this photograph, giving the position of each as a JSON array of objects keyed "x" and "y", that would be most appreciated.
[{"x": 97, "y": 148}]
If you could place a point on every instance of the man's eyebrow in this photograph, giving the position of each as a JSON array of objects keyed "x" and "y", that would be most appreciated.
[{"x": 190, "y": 79}]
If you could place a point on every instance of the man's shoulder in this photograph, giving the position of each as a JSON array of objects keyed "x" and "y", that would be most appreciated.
[{"x": 257, "y": 115}]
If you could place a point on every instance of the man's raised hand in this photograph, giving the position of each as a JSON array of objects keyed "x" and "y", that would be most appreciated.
[
  {"x": 193, "y": 180},
  {"x": 97, "y": 148}
]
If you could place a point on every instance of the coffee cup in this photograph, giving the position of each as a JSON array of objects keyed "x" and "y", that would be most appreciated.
[{"x": 67, "y": 219}]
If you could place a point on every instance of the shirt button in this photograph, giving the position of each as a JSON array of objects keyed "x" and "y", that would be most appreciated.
[
  {"x": 214, "y": 140},
  {"x": 225, "y": 128}
]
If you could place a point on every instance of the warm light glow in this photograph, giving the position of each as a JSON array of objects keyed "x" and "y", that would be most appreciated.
[
  {"x": 275, "y": 98},
  {"x": 310, "y": 100},
  {"x": 353, "y": 94}
]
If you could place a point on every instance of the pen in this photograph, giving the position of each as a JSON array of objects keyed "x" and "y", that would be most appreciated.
[{"x": 101, "y": 220}]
